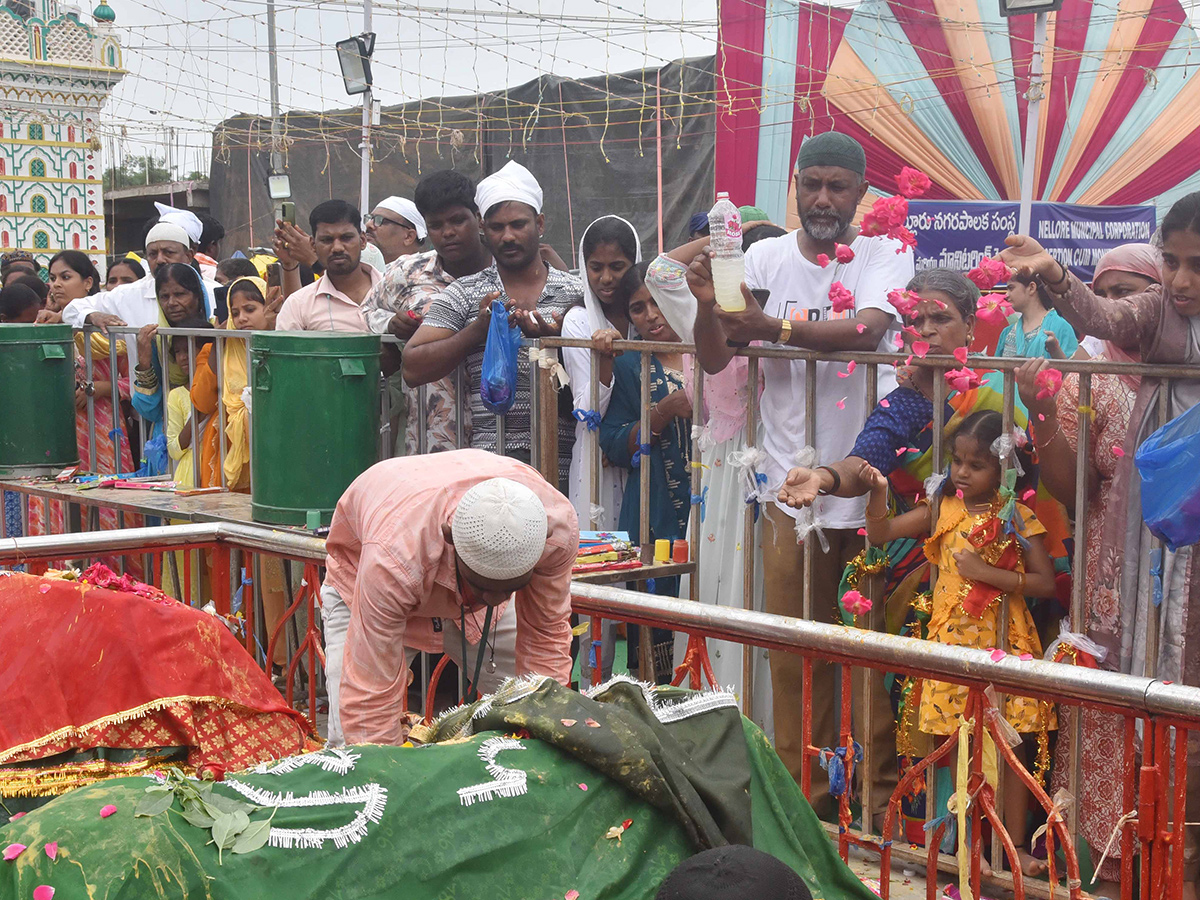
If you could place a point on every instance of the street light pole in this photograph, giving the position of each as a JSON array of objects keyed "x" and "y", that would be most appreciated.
[
  {"x": 1032, "y": 121},
  {"x": 273, "y": 66},
  {"x": 364, "y": 191}
]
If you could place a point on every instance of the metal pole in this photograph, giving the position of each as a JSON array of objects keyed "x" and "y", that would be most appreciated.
[
  {"x": 1032, "y": 121},
  {"x": 273, "y": 68},
  {"x": 368, "y": 104}
]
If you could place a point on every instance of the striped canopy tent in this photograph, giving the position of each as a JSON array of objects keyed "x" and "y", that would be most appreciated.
[{"x": 941, "y": 85}]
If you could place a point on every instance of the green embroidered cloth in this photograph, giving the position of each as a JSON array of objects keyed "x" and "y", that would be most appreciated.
[{"x": 514, "y": 799}]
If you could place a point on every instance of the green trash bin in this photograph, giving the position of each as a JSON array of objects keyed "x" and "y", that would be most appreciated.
[
  {"x": 37, "y": 400},
  {"x": 314, "y": 421}
]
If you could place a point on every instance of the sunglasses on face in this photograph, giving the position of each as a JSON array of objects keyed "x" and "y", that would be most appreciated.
[{"x": 377, "y": 220}]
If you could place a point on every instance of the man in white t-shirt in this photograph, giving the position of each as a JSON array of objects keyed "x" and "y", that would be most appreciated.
[{"x": 830, "y": 183}]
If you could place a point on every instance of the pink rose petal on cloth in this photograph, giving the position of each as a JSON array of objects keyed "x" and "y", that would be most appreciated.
[
  {"x": 884, "y": 403},
  {"x": 862, "y": 532},
  {"x": 12, "y": 851},
  {"x": 1025, "y": 657},
  {"x": 997, "y": 655},
  {"x": 43, "y": 892},
  {"x": 591, "y": 723},
  {"x": 841, "y": 404},
  {"x": 16, "y": 816},
  {"x": 42, "y": 589},
  {"x": 1117, "y": 452},
  {"x": 822, "y": 260},
  {"x": 572, "y": 894},
  {"x": 106, "y": 811},
  {"x": 582, "y": 786},
  {"x": 920, "y": 348},
  {"x": 52, "y": 850},
  {"x": 568, "y": 722},
  {"x": 844, "y": 254},
  {"x": 1041, "y": 417},
  {"x": 1029, "y": 495}
]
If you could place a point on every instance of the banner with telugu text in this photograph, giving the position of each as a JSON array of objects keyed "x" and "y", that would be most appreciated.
[{"x": 957, "y": 234}]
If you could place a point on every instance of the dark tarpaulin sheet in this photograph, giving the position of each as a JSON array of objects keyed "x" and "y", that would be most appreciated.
[{"x": 593, "y": 140}]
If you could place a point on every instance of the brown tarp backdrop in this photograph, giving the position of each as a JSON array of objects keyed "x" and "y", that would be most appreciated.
[{"x": 594, "y": 141}]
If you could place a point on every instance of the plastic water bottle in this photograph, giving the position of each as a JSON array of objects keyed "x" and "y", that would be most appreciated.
[{"x": 728, "y": 261}]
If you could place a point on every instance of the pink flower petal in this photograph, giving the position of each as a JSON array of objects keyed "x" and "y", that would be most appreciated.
[
  {"x": 16, "y": 816},
  {"x": 920, "y": 348},
  {"x": 841, "y": 404},
  {"x": 862, "y": 532},
  {"x": 908, "y": 362},
  {"x": 822, "y": 260},
  {"x": 884, "y": 403},
  {"x": 959, "y": 494},
  {"x": 52, "y": 850},
  {"x": 998, "y": 655},
  {"x": 568, "y": 722},
  {"x": 591, "y": 723},
  {"x": 1041, "y": 417},
  {"x": 572, "y": 894},
  {"x": 12, "y": 851},
  {"x": 960, "y": 353},
  {"x": 43, "y": 589},
  {"x": 43, "y": 892},
  {"x": 851, "y": 366},
  {"x": 1025, "y": 657},
  {"x": 1117, "y": 452},
  {"x": 860, "y": 327},
  {"x": 107, "y": 811},
  {"x": 843, "y": 374},
  {"x": 582, "y": 786},
  {"x": 1029, "y": 495}
]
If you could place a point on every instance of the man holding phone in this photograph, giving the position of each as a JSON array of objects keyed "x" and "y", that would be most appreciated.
[{"x": 830, "y": 183}]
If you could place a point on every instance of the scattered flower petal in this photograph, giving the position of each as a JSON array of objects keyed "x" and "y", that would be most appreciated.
[
  {"x": 912, "y": 182},
  {"x": 52, "y": 850},
  {"x": 568, "y": 722},
  {"x": 884, "y": 403},
  {"x": 822, "y": 260},
  {"x": 43, "y": 892},
  {"x": 591, "y": 723},
  {"x": 572, "y": 894},
  {"x": 905, "y": 302},
  {"x": 43, "y": 588},
  {"x": 997, "y": 655},
  {"x": 994, "y": 308},
  {"x": 841, "y": 404},
  {"x": 1041, "y": 417},
  {"x": 1117, "y": 451},
  {"x": 899, "y": 341},
  {"x": 844, "y": 254},
  {"x": 920, "y": 348},
  {"x": 582, "y": 786},
  {"x": 1030, "y": 494},
  {"x": 12, "y": 851},
  {"x": 959, "y": 494},
  {"x": 16, "y": 816},
  {"x": 908, "y": 362},
  {"x": 107, "y": 811},
  {"x": 627, "y": 824},
  {"x": 887, "y": 216},
  {"x": 960, "y": 353},
  {"x": 1025, "y": 657},
  {"x": 901, "y": 451},
  {"x": 850, "y": 367},
  {"x": 860, "y": 327},
  {"x": 862, "y": 532},
  {"x": 963, "y": 380}
]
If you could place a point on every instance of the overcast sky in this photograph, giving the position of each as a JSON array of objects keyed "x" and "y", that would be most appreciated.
[{"x": 191, "y": 69}]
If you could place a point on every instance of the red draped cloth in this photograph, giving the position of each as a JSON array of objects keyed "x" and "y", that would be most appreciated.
[{"x": 85, "y": 667}]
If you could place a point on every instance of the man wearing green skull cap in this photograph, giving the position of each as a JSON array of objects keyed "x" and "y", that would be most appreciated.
[{"x": 800, "y": 271}]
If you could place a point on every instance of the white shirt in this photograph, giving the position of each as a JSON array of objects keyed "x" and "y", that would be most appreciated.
[
  {"x": 800, "y": 290},
  {"x": 136, "y": 304}
]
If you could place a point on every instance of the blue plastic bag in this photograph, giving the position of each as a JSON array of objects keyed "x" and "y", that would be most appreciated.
[
  {"x": 1169, "y": 463},
  {"x": 498, "y": 383}
]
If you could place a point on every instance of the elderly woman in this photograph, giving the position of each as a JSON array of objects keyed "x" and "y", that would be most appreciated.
[
  {"x": 1161, "y": 323},
  {"x": 1122, "y": 272}
]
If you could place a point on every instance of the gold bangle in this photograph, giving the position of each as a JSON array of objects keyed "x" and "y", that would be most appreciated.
[
  {"x": 1021, "y": 583},
  {"x": 785, "y": 331},
  {"x": 874, "y": 518}
]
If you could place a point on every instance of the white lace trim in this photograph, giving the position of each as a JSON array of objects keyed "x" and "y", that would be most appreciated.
[
  {"x": 505, "y": 782},
  {"x": 341, "y": 761},
  {"x": 372, "y": 797},
  {"x": 647, "y": 688},
  {"x": 694, "y": 706},
  {"x": 512, "y": 690}
]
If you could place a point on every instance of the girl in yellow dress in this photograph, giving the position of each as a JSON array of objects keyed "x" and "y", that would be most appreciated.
[{"x": 987, "y": 547}]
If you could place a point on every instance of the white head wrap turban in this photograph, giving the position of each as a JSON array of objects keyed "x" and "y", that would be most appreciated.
[
  {"x": 513, "y": 182},
  {"x": 166, "y": 231},
  {"x": 667, "y": 282},
  {"x": 499, "y": 529},
  {"x": 406, "y": 210},
  {"x": 185, "y": 219},
  {"x": 591, "y": 303}
]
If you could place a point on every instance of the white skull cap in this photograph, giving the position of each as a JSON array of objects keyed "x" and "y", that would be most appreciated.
[{"x": 499, "y": 529}]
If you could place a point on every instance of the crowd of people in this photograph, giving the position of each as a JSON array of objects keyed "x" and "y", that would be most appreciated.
[{"x": 828, "y": 474}]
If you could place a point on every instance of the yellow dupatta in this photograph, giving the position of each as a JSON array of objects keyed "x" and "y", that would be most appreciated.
[{"x": 234, "y": 380}]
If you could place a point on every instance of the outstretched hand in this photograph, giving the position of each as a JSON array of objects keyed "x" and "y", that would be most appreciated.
[{"x": 800, "y": 488}]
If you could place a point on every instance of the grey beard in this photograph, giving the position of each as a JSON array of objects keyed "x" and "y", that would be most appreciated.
[{"x": 823, "y": 229}]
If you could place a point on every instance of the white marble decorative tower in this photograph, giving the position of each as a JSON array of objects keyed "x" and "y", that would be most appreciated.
[{"x": 55, "y": 74}]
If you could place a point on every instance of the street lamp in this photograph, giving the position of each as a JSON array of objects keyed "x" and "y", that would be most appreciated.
[
  {"x": 354, "y": 56},
  {"x": 279, "y": 186}
]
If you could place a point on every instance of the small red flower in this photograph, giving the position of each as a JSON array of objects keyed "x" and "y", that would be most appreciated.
[
  {"x": 1049, "y": 382},
  {"x": 994, "y": 308},
  {"x": 904, "y": 301},
  {"x": 841, "y": 297},
  {"x": 855, "y": 603},
  {"x": 211, "y": 772},
  {"x": 962, "y": 380},
  {"x": 844, "y": 254},
  {"x": 989, "y": 273},
  {"x": 912, "y": 182}
]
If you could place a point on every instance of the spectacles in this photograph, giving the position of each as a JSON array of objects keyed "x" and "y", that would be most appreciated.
[{"x": 376, "y": 219}]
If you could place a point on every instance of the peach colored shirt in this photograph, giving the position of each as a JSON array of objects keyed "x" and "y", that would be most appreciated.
[
  {"x": 322, "y": 307},
  {"x": 388, "y": 559}
]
